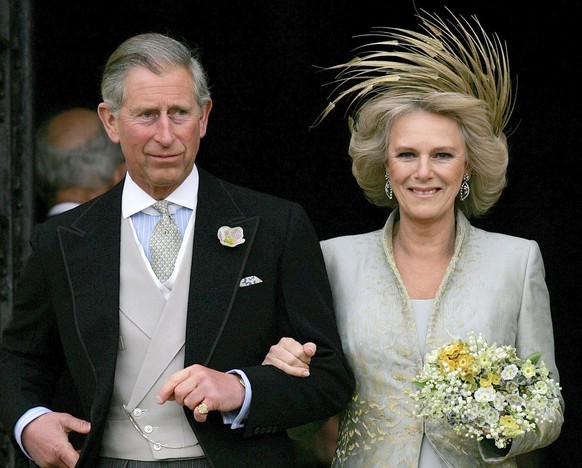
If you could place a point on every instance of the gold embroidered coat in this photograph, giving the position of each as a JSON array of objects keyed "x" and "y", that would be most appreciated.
[{"x": 495, "y": 284}]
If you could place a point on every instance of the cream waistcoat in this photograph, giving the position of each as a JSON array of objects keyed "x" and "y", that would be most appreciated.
[{"x": 151, "y": 348}]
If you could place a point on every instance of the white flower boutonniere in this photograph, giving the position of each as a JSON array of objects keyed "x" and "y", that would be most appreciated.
[{"x": 231, "y": 237}]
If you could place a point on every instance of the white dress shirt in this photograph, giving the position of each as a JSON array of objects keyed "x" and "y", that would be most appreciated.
[{"x": 136, "y": 205}]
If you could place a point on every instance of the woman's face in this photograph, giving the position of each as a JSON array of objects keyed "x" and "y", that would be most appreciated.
[{"x": 426, "y": 162}]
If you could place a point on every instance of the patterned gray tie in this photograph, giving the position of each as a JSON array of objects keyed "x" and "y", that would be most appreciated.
[{"x": 165, "y": 242}]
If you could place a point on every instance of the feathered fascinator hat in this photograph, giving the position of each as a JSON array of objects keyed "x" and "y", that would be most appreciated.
[{"x": 448, "y": 56}]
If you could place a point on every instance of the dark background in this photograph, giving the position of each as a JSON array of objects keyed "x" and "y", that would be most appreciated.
[{"x": 263, "y": 58}]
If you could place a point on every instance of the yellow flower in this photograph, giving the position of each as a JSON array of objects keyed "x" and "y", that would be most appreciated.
[
  {"x": 449, "y": 356},
  {"x": 447, "y": 365},
  {"x": 511, "y": 428},
  {"x": 528, "y": 369},
  {"x": 464, "y": 362},
  {"x": 452, "y": 350},
  {"x": 484, "y": 361},
  {"x": 475, "y": 367},
  {"x": 486, "y": 380}
]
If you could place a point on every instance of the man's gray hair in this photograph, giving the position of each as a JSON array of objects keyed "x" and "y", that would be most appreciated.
[{"x": 157, "y": 53}]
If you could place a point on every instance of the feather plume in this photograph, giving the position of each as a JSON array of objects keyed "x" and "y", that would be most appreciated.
[{"x": 447, "y": 56}]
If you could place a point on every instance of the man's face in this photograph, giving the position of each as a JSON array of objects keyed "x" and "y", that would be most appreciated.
[{"x": 159, "y": 128}]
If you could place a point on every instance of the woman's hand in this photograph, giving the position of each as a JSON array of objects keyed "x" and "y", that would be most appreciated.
[{"x": 291, "y": 357}]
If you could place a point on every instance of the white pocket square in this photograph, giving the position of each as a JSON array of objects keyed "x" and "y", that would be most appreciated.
[{"x": 249, "y": 281}]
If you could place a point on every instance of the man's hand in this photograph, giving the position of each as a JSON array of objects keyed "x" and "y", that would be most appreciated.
[
  {"x": 291, "y": 357},
  {"x": 46, "y": 439},
  {"x": 198, "y": 384}
]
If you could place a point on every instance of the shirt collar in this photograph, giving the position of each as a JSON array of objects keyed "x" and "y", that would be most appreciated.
[{"x": 134, "y": 199}]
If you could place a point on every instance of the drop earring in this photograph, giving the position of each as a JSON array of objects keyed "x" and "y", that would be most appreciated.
[
  {"x": 388, "y": 186},
  {"x": 464, "y": 192}
]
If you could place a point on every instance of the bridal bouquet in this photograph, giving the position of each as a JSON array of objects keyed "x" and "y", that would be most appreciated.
[{"x": 485, "y": 391}]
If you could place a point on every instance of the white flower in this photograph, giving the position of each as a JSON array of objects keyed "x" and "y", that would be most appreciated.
[
  {"x": 541, "y": 387},
  {"x": 499, "y": 402},
  {"x": 511, "y": 387},
  {"x": 231, "y": 237},
  {"x": 510, "y": 372},
  {"x": 485, "y": 394},
  {"x": 492, "y": 416}
]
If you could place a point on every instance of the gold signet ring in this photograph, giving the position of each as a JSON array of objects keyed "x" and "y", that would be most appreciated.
[{"x": 202, "y": 408}]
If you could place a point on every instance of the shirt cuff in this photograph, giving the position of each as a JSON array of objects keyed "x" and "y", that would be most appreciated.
[
  {"x": 236, "y": 418},
  {"x": 24, "y": 420}
]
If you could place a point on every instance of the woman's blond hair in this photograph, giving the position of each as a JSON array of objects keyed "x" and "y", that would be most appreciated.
[{"x": 453, "y": 68}]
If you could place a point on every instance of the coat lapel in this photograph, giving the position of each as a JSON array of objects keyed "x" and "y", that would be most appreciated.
[
  {"x": 216, "y": 270},
  {"x": 90, "y": 249}
]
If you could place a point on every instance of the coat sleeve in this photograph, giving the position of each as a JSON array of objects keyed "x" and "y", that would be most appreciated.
[
  {"x": 305, "y": 300},
  {"x": 31, "y": 356},
  {"x": 535, "y": 333}
]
